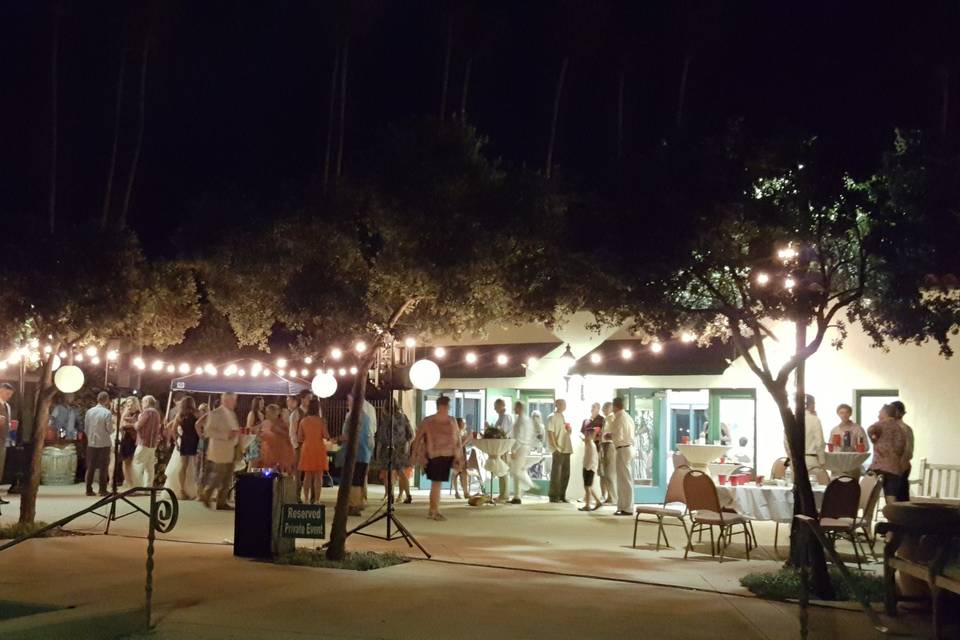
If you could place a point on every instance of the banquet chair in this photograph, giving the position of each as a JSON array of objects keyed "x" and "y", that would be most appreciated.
[
  {"x": 474, "y": 471},
  {"x": 673, "y": 507},
  {"x": 838, "y": 513},
  {"x": 703, "y": 504},
  {"x": 870, "y": 488}
]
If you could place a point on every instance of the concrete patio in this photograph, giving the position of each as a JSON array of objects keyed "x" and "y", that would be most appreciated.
[{"x": 534, "y": 570}]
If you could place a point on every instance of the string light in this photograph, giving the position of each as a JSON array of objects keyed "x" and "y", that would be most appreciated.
[
  {"x": 626, "y": 353},
  {"x": 3, "y": 365},
  {"x": 230, "y": 370},
  {"x": 47, "y": 349},
  {"x": 78, "y": 357},
  {"x": 112, "y": 355},
  {"x": 502, "y": 359},
  {"x": 198, "y": 371},
  {"x": 282, "y": 373},
  {"x": 318, "y": 372},
  {"x": 91, "y": 351},
  {"x": 63, "y": 355},
  {"x": 789, "y": 283},
  {"x": 762, "y": 279},
  {"x": 353, "y": 371},
  {"x": 242, "y": 372},
  {"x": 266, "y": 373},
  {"x": 304, "y": 373},
  {"x": 281, "y": 363},
  {"x": 656, "y": 347},
  {"x": 210, "y": 369},
  {"x": 596, "y": 358},
  {"x": 139, "y": 363},
  {"x": 156, "y": 366},
  {"x": 342, "y": 372},
  {"x": 336, "y": 353},
  {"x": 532, "y": 362},
  {"x": 255, "y": 368},
  {"x": 171, "y": 368},
  {"x": 307, "y": 360},
  {"x": 439, "y": 352},
  {"x": 410, "y": 342},
  {"x": 471, "y": 357},
  {"x": 361, "y": 346},
  {"x": 184, "y": 368},
  {"x": 688, "y": 337},
  {"x": 95, "y": 360}
]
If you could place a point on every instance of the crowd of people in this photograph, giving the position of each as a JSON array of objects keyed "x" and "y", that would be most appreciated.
[{"x": 890, "y": 438}]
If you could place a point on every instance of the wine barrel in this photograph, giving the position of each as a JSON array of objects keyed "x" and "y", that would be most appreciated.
[{"x": 59, "y": 464}]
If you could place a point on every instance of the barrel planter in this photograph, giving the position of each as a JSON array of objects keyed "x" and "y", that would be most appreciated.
[{"x": 59, "y": 464}]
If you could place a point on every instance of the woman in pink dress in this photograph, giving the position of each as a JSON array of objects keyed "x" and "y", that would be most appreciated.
[{"x": 889, "y": 452}]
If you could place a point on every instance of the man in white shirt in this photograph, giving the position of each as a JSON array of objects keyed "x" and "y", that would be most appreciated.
[
  {"x": 561, "y": 446},
  {"x": 608, "y": 457},
  {"x": 223, "y": 429},
  {"x": 505, "y": 424},
  {"x": 623, "y": 431},
  {"x": 814, "y": 447},
  {"x": 523, "y": 438},
  {"x": 296, "y": 412},
  {"x": 99, "y": 423},
  {"x": 6, "y": 392}
]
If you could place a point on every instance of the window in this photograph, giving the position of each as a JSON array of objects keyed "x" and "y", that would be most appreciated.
[{"x": 869, "y": 401}]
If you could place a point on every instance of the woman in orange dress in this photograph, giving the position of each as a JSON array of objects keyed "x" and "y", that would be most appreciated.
[{"x": 312, "y": 435}]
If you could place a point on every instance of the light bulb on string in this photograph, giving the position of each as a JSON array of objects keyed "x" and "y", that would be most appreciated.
[
  {"x": 281, "y": 363},
  {"x": 688, "y": 337},
  {"x": 307, "y": 360},
  {"x": 78, "y": 357},
  {"x": 63, "y": 355},
  {"x": 184, "y": 368},
  {"x": 91, "y": 351},
  {"x": 502, "y": 359},
  {"x": 198, "y": 371},
  {"x": 304, "y": 372},
  {"x": 353, "y": 371},
  {"x": 439, "y": 352},
  {"x": 210, "y": 369},
  {"x": 626, "y": 354},
  {"x": 342, "y": 372},
  {"x": 360, "y": 347},
  {"x": 242, "y": 372},
  {"x": 255, "y": 368},
  {"x": 532, "y": 362},
  {"x": 281, "y": 372},
  {"x": 157, "y": 365},
  {"x": 336, "y": 353},
  {"x": 95, "y": 360},
  {"x": 47, "y": 349},
  {"x": 471, "y": 357},
  {"x": 789, "y": 283},
  {"x": 171, "y": 368},
  {"x": 410, "y": 342},
  {"x": 656, "y": 347},
  {"x": 762, "y": 279},
  {"x": 596, "y": 358},
  {"x": 139, "y": 363},
  {"x": 112, "y": 355}
]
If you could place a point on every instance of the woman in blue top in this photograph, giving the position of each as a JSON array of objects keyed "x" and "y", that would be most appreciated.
[{"x": 362, "y": 463}]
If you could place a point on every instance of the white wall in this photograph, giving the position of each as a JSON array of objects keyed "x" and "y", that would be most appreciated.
[{"x": 928, "y": 384}]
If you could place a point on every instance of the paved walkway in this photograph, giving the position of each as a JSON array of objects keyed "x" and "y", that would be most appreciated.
[{"x": 530, "y": 571}]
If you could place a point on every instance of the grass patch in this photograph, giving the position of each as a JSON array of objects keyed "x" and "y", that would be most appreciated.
[
  {"x": 785, "y": 584},
  {"x": 17, "y": 529},
  {"x": 355, "y": 561}
]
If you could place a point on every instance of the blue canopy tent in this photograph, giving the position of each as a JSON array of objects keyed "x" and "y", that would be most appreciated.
[{"x": 266, "y": 382}]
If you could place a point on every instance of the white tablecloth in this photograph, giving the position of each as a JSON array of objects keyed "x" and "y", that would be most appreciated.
[
  {"x": 494, "y": 448},
  {"x": 763, "y": 503},
  {"x": 845, "y": 461}
]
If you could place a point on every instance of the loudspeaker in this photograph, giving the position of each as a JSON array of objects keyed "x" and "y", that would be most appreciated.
[{"x": 253, "y": 519}]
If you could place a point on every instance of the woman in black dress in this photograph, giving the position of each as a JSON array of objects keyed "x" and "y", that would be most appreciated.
[{"x": 188, "y": 444}]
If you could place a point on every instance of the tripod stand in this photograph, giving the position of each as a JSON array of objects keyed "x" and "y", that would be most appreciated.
[{"x": 390, "y": 514}]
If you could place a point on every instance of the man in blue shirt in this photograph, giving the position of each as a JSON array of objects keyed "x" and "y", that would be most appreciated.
[{"x": 362, "y": 463}]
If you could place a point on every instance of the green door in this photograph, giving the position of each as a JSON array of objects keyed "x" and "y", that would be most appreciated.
[{"x": 647, "y": 407}]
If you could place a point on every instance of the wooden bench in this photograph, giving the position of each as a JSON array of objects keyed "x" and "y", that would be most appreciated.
[
  {"x": 937, "y": 480},
  {"x": 940, "y": 572}
]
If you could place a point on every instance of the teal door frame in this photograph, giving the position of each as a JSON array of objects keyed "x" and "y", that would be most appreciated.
[{"x": 655, "y": 491}]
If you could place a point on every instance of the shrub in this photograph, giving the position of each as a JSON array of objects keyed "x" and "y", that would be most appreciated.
[
  {"x": 785, "y": 585},
  {"x": 355, "y": 561},
  {"x": 17, "y": 529}
]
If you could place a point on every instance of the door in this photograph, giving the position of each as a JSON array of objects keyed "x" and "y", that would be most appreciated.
[
  {"x": 649, "y": 465},
  {"x": 869, "y": 401},
  {"x": 733, "y": 422}
]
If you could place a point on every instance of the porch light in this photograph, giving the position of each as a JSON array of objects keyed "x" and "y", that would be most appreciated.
[{"x": 568, "y": 359}]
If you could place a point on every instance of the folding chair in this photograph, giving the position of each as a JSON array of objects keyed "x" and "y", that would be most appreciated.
[
  {"x": 673, "y": 507},
  {"x": 703, "y": 504}
]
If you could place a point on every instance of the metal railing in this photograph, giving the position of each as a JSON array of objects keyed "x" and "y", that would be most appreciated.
[{"x": 162, "y": 514}]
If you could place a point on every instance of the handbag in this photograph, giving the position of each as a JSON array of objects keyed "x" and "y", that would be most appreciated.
[{"x": 418, "y": 451}]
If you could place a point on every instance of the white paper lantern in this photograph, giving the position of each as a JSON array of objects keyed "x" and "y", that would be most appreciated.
[
  {"x": 324, "y": 385},
  {"x": 68, "y": 379},
  {"x": 424, "y": 374}
]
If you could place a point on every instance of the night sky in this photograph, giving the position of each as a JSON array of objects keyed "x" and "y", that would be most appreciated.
[{"x": 237, "y": 92}]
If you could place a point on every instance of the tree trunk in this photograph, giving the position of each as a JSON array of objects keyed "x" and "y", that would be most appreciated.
[
  {"x": 45, "y": 394},
  {"x": 338, "y": 530},
  {"x": 548, "y": 165},
  {"x": 445, "y": 83},
  {"x": 466, "y": 87},
  {"x": 136, "y": 150},
  {"x": 682, "y": 95},
  {"x": 343, "y": 106},
  {"x": 620, "y": 89},
  {"x": 54, "y": 121},
  {"x": 111, "y": 169},
  {"x": 330, "y": 114},
  {"x": 804, "y": 548}
]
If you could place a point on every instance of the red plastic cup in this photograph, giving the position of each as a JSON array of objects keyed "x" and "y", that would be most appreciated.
[
  {"x": 830, "y": 447},
  {"x": 684, "y": 439},
  {"x": 861, "y": 447},
  {"x": 722, "y": 479}
]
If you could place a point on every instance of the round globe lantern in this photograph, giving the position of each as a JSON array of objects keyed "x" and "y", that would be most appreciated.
[
  {"x": 324, "y": 385},
  {"x": 424, "y": 374},
  {"x": 68, "y": 379}
]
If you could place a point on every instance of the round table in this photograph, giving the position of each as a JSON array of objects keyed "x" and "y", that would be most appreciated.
[
  {"x": 839, "y": 462},
  {"x": 767, "y": 502},
  {"x": 700, "y": 455},
  {"x": 722, "y": 468},
  {"x": 495, "y": 448}
]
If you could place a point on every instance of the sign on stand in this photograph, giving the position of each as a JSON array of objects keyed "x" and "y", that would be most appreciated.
[{"x": 303, "y": 521}]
